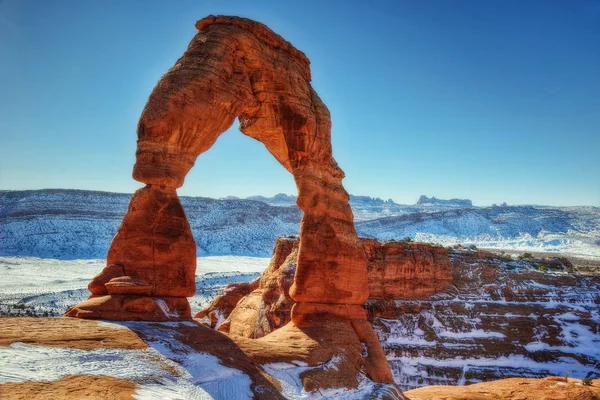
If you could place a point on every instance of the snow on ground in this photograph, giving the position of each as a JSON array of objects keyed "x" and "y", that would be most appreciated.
[
  {"x": 515, "y": 364},
  {"x": 167, "y": 370},
  {"x": 38, "y": 286},
  {"x": 537, "y": 329},
  {"x": 582, "y": 247},
  {"x": 288, "y": 376},
  {"x": 42, "y": 286}
]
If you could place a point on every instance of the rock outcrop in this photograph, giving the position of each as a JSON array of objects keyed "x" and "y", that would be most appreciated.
[
  {"x": 500, "y": 318},
  {"x": 447, "y": 315},
  {"x": 551, "y": 388},
  {"x": 56, "y": 358},
  {"x": 396, "y": 270},
  {"x": 424, "y": 200},
  {"x": 238, "y": 68},
  {"x": 183, "y": 360},
  {"x": 151, "y": 264}
]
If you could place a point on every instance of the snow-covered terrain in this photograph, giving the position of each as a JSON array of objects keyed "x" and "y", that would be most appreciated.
[
  {"x": 568, "y": 230},
  {"x": 193, "y": 376},
  {"x": 366, "y": 208},
  {"x": 469, "y": 339},
  {"x": 169, "y": 369},
  {"x": 525, "y": 325},
  {"x": 75, "y": 224},
  {"x": 47, "y": 287},
  {"x": 288, "y": 376}
]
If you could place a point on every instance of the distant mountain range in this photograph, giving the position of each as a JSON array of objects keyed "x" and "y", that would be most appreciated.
[
  {"x": 367, "y": 208},
  {"x": 452, "y": 202},
  {"x": 73, "y": 224},
  {"x": 282, "y": 199}
]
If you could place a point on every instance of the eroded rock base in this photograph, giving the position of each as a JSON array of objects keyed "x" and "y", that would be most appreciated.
[
  {"x": 318, "y": 358},
  {"x": 132, "y": 308}
]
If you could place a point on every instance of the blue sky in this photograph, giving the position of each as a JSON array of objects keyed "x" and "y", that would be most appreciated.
[{"x": 488, "y": 100}]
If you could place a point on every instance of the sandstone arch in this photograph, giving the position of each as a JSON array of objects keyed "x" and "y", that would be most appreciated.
[{"x": 235, "y": 67}]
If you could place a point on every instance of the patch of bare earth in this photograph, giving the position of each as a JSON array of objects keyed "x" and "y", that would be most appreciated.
[
  {"x": 67, "y": 332},
  {"x": 552, "y": 388},
  {"x": 73, "y": 387}
]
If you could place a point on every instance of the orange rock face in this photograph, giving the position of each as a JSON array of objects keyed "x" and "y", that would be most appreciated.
[
  {"x": 396, "y": 270},
  {"x": 237, "y": 68},
  {"x": 405, "y": 270},
  {"x": 132, "y": 308},
  {"x": 551, "y": 388},
  {"x": 151, "y": 264}
]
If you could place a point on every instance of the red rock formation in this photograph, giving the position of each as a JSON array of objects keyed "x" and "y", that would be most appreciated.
[
  {"x": 239, "y": 68},
  {"x": 396, "y": 270},
  {"x": 151, "y": 264},
  {"x": 264, "y": 307},
  {"x": 228, "y": 299},
  {"x": 236, "y": 68},
  {"x": 456, "y": 305},
  {"x": 405, "y": 270},
  {"x": 551, "y": 388}
]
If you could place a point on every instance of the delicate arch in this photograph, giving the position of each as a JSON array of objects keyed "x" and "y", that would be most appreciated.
[
  {"x": 239, "y": 68},
  {"x": 236, "y": 67}
]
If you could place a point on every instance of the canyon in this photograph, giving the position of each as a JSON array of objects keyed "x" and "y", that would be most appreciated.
[{"x": 446, "y": 316}]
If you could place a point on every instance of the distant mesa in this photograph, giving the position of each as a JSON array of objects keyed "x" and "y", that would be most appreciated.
[
  {"x": 367, "y": 200},
  {"x": 287, "y": 199},
  {"x": 424, "y": 200},
  {"x": 279, "y": 198}
]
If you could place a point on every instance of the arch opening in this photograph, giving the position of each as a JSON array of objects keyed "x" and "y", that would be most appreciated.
[{"x": 241, "y": 166}]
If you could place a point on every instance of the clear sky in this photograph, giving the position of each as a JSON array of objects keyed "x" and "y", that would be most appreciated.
[{"x": 488, "y": 100}]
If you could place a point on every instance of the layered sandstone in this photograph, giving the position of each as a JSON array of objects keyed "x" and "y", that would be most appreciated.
[
  {"x": 406, "y": 270},
  {"x": 551, "y": 388},
  {"x": 151, "y": 264},
  {"x": 255, "y": 309},
  {"x": 396, "y": 270},
  {"x": 184, "y": 360},
  {"x": 499, "y": 318},
  {"x": 74, "y": 387},
  {"x": 235, "y": 68},
  {"x": 238, "y": 68},
  {"x": 449, "y": 316}
]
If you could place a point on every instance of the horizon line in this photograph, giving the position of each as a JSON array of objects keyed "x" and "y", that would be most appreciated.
[{"x": 247, "y": 198}]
